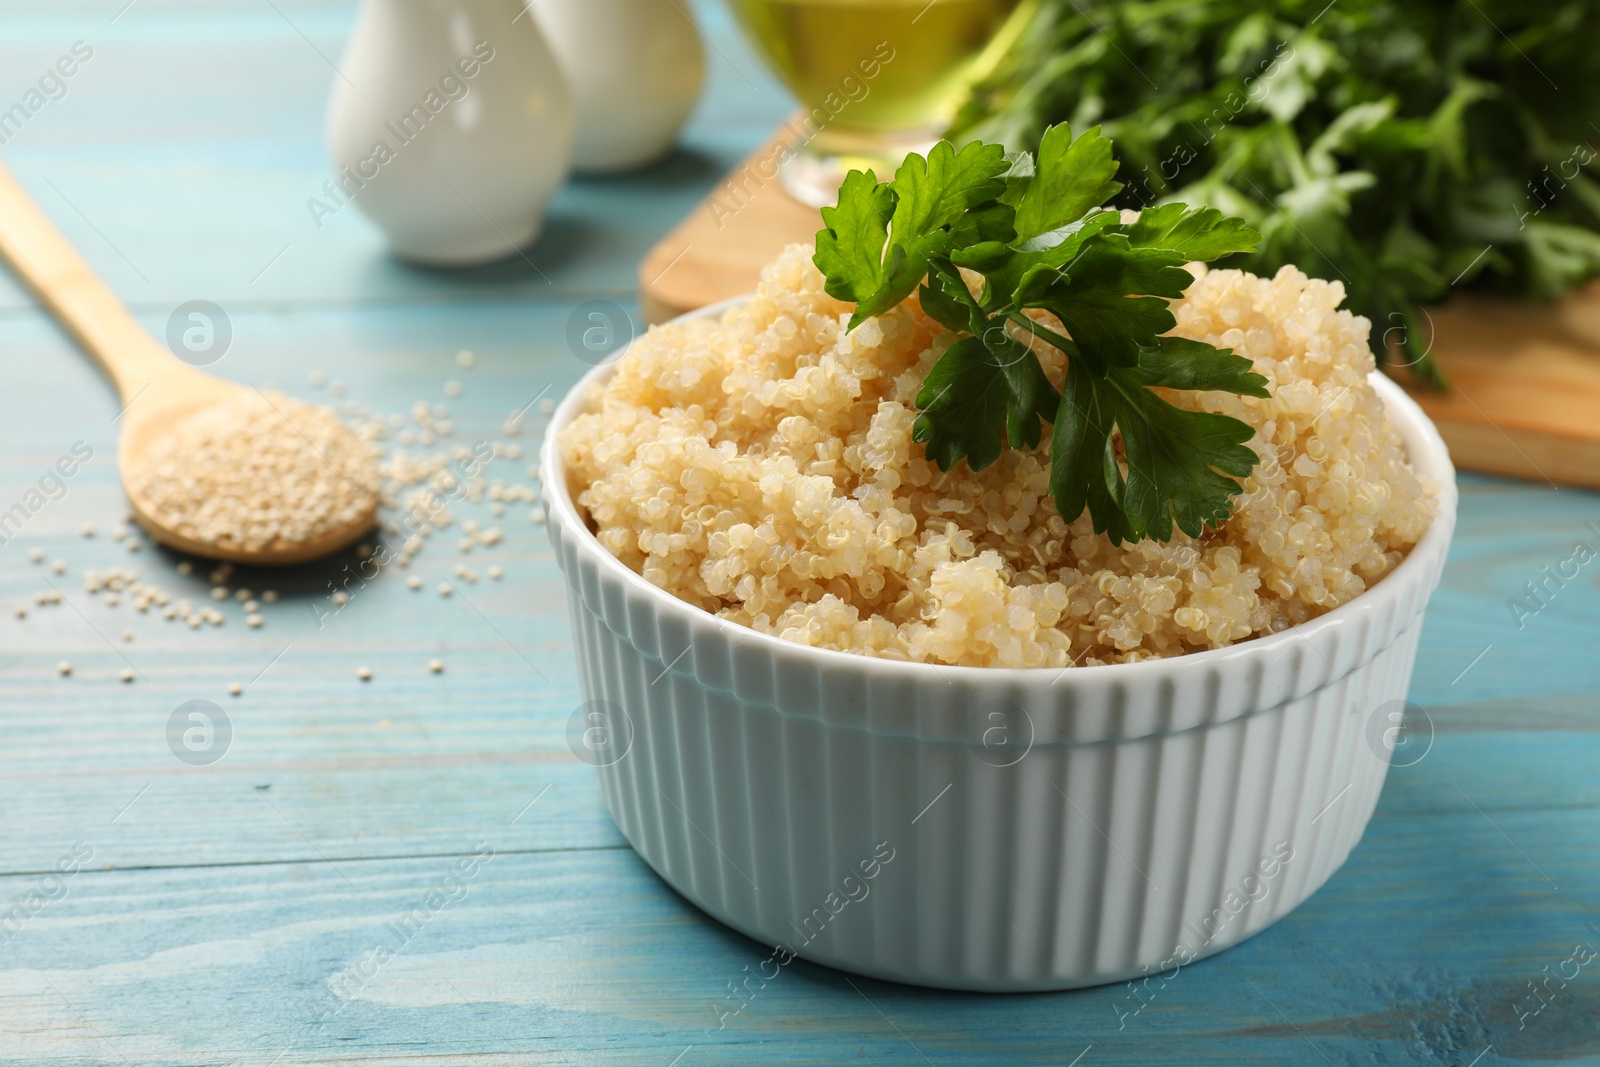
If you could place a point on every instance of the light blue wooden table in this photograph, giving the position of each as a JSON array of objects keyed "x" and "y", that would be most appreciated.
[{"x": 211, "y": 909}]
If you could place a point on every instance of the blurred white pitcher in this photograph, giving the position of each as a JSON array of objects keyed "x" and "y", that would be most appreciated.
[
  {"x": 450, "y": 127},
  {"x": 635, "y": 67}
]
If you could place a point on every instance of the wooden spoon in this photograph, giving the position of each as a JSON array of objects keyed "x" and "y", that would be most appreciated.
[{"x": 158, "y": 390}]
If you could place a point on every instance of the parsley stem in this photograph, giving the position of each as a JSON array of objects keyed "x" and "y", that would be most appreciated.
[{"x": 1064, "y": 343}]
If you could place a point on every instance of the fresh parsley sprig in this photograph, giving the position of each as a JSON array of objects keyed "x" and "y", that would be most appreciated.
[
  {"x": 1409, "y": 150},
  {"x": 1036, "y": 231}
]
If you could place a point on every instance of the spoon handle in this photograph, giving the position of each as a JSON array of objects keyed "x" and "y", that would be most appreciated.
[{"x": 79, "y": 300}]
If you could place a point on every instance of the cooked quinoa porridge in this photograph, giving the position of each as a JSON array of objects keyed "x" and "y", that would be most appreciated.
[{"x": 761, "y": 466}]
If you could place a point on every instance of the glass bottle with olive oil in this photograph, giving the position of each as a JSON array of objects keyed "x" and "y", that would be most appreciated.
[{"x": 875, "y": 78}]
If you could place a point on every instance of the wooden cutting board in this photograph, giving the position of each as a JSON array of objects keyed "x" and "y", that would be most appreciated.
[{"x": 1525, "y": 399}]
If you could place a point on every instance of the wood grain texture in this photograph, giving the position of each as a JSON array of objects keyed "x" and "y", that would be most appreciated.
[
  {"x": 226, "y": 910},
  {"x": 1526, "y": 396},
  {"x": 582, "y": 957}
]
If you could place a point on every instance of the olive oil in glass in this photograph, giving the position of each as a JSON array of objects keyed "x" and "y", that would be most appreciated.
[{"x": 875, "y": 78}]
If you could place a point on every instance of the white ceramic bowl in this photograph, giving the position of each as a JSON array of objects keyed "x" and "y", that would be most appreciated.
[{"x": 986, "y": 828}]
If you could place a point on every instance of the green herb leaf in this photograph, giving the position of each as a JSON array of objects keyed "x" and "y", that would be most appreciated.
[
  {"x": 1201, "y": 234},
  {"x": 1028, "y": 265},
  {"x": 1071, "y": 176},
  {"x": 1181, "y": 363},
  {"x": 938, "y": 190},
  {"x": 946, "y": 300},
  {"x": 879, "y": 240},
  {"x": 1098, "y": 297},
  {"x": 1177, "y": 461},
  {"x": 850, "y": 246},
  {"x": 982, "y": 393},
  {"x": 1084, "y": 472}
]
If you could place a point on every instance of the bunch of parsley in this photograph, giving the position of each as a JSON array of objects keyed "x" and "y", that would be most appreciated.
[
  {"x": 1038, "y": 234},
  {"x": 1409, "y": 149}
]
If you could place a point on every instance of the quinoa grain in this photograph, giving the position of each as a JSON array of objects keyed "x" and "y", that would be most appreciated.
[{"x": 204, "y": 478}]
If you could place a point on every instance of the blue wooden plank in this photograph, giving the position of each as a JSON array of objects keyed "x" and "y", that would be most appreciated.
[
  {"x": 583, "y": 957},
  {"x": 1508, "y": 533}
]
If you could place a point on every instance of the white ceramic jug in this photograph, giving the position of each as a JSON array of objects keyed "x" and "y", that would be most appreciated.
[
  {"x": 450, "y": 126},
  {"x": 635, "y": 67}
]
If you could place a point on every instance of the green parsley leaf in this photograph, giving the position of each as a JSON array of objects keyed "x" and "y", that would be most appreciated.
[
  {"x": 879, "y": 240},
  {"x": 850, "y": 246},
  {"x": 1182, "y": 363},
  {"x": 1095, "y": 297},
  {"x": 1027, "y": 264},
  {"x": 980, "y": 391},
  {"x": 938, "y": 190},
  {"x": 1201, "y": 234},
  {"x": 946, "y": 300},
  {"x": 1072, "y": 176},
  {"x": 1177, "y": 461}
]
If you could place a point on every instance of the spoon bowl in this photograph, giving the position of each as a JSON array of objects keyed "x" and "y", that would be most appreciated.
[{"x": 150, "y": 421}]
